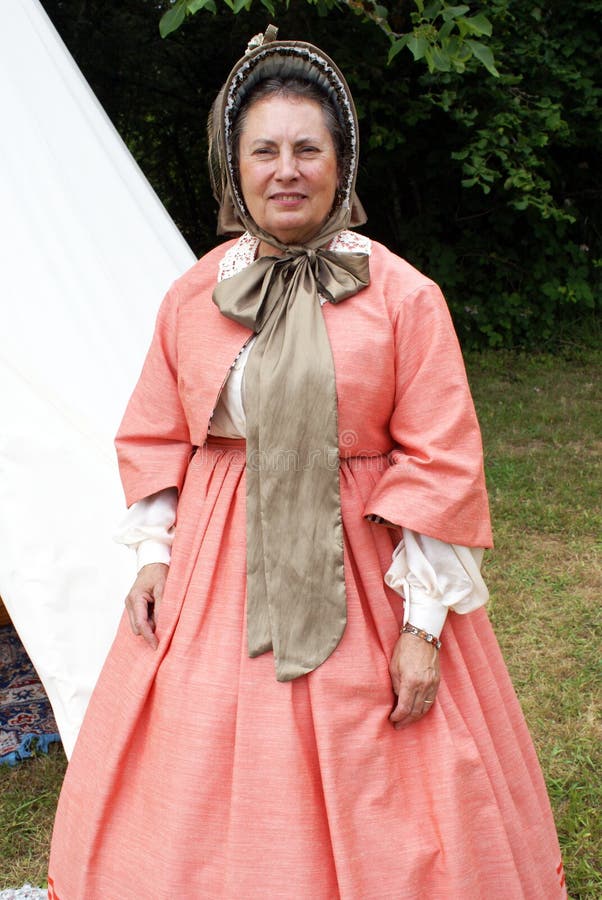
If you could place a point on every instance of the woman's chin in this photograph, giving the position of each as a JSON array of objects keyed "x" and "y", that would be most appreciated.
[{"x": 293, "y": 232}]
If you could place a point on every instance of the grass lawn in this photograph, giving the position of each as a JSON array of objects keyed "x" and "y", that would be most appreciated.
[{"x": 542, "y": 430}]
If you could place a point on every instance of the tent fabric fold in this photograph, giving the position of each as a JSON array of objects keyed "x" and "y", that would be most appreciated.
[{"x": 86, "y": 253}]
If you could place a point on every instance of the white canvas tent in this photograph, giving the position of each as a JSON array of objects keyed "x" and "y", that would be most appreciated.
[{"x": 86, "y": 253}]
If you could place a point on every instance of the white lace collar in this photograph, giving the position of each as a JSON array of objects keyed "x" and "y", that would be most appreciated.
[{"x": 244, "y": 251}]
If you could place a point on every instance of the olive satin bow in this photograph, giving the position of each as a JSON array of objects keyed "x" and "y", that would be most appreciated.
[{"x": 296, "y": 602}]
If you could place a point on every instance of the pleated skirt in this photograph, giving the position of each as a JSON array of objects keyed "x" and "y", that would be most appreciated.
[{"x": 197, "y": 775}]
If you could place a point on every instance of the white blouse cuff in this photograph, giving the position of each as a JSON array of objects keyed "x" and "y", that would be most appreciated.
[
  {"x": 152, "y": 552},
  {"x": 434, "y": 577},
  {"x": 149, "y": 527}
]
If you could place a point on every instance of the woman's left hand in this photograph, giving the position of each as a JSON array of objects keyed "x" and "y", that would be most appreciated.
[{"x": 414, "y": 670}]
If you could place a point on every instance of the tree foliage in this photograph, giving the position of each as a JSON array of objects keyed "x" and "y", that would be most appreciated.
[
  {"x": 490, "y": 184},
  {"x": 444, "y": 35}
]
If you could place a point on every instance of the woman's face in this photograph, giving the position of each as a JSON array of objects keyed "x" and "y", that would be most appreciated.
[{"x": 287, "y": 167}]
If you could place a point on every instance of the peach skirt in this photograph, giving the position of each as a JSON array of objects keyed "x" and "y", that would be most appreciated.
[{"x": 197, "y": 775}]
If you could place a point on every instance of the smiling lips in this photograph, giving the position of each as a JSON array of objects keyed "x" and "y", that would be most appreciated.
[{"x": 287, "y": 198}]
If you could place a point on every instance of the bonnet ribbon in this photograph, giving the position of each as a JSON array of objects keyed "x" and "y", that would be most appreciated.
[{"x": 296, "y": 603}]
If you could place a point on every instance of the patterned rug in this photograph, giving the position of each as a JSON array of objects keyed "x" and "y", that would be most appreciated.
[
  {"x": 27, "y": 724},
  {"x": 27, "y": 892}
]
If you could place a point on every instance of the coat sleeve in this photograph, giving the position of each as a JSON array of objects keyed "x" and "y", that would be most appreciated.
[
  {"x": 435, "y": 484},
  {"x": 153, "y": 442}
]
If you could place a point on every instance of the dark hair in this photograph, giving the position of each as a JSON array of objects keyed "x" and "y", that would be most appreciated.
[{"x": 291, "y": 87}]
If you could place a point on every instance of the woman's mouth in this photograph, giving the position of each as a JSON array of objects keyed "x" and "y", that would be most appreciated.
[{"x": 287, "y": 198}]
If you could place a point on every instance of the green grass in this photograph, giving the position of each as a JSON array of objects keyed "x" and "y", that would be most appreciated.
[
  {"x": 542, "y": 431},
  {"x": 28, "y": 797}
]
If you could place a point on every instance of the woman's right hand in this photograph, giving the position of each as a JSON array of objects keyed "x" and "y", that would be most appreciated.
[{"x": 144, "y": 599}]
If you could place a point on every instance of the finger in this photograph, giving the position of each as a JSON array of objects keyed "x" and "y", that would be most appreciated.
[
  {"x": 406, "y": 701},
  {"x": 406, "y": 713},
  {"x": 132, "y": 615},
  {"x": 154, "y": 610},
  {"x": 141, "y": 619},
  {"x": 147, "y": 632},
  {"x": 157, "y": 591}
]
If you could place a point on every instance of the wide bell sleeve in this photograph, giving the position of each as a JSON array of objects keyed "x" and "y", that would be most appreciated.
[
  {"x": 153, "y": 442},
  {"x": 435, "y": 483}
]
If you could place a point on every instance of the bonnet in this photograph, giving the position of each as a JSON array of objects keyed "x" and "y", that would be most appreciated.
[{"x": 266, "y": 58}]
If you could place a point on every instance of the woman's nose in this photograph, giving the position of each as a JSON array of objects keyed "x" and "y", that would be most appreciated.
[{"x": 286, "y": 166}]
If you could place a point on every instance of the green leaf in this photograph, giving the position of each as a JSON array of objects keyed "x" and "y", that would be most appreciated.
[
  {"x": 478, "y": 24},
  {"x": 239, "y": 5},
  {"x": 269, "y": 6},
  {"x": 396, "y": 47},
  {"x": 484, "y": 55},
  {"x": 445, "y": 30},
  {"x": 193, "y": 6},
  {"x": 454, "y": 12},
  {"x": 428, "y": 56},
  {"x": 441, "y": 60},
  {"x": 172, "y": 19},
  {"x": 432, "y": 10},
  {"x": 417, "y": 46},
  {"x": 461, "y": 53}
]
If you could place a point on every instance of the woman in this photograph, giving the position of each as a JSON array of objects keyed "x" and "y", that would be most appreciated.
[{"x": 266, "y": 731}]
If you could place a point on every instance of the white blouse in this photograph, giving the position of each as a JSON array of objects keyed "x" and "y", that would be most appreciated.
[{"x": 431, "y": 575}]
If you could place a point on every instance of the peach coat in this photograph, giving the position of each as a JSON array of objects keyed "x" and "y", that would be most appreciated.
[{"x": 196, "y": 774}]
